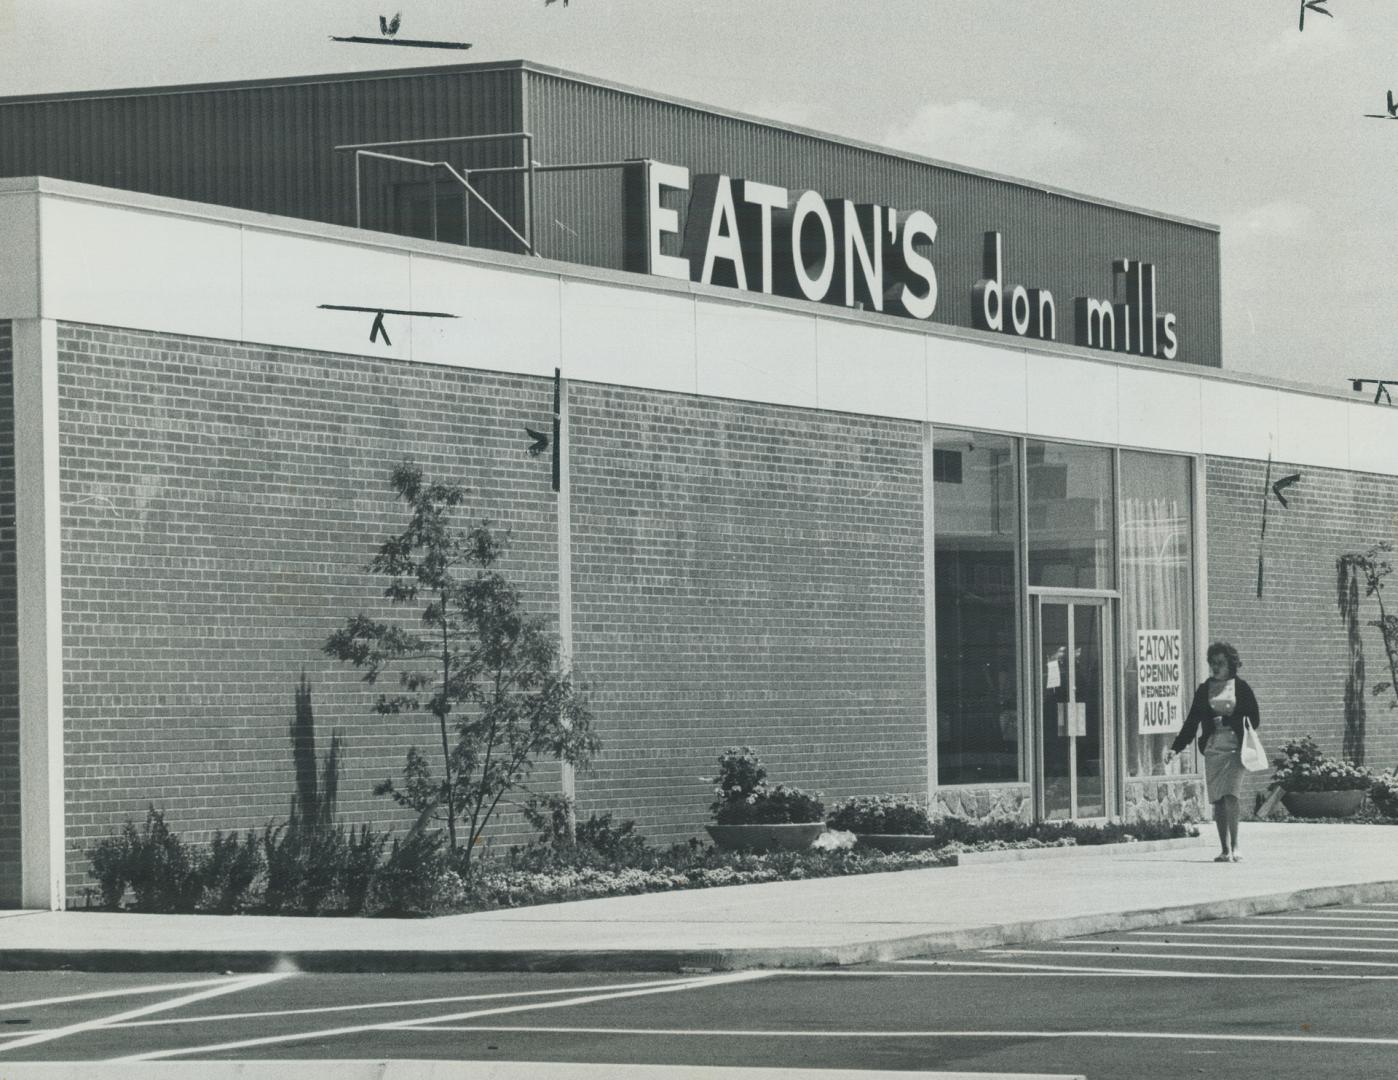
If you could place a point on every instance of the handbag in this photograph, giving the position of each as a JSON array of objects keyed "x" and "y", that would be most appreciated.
[{"x": 1252, "y": 752}]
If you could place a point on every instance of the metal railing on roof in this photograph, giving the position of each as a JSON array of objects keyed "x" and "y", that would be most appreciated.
[{"x": 462, "y": 176}]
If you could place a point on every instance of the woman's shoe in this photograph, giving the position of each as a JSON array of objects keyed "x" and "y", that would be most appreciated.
[
  {"x": 1235, "y": 857},
  {"x": 1225, "y": 857}
]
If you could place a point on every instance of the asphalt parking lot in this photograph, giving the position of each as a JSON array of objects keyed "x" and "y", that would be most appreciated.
[{"x": 1274, "y": 996}]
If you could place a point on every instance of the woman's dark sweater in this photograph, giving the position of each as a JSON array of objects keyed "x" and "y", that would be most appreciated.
[{"x": 1201, "y": 715}]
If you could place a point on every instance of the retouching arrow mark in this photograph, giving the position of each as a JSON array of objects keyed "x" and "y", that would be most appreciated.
[
  {"x": 1318, "y": 6},
  {"x": 540, "y": 443},
  {"x": 378, "y": 313},
  {"x": 1284, "y": 482}
]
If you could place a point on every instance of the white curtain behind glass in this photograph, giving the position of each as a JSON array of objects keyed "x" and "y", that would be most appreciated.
[{"x": 1155, "y": 594}]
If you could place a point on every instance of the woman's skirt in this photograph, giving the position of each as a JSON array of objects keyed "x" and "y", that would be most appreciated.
[{"x": 1223, "y": 768}]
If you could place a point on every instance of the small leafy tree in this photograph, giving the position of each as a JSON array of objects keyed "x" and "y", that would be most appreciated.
[
  {"x": 1370, "y": 567},
  {"x": 488, "y": 673}
]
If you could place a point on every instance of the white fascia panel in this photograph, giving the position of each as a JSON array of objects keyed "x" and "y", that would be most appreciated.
[
  {"x": 865, "y": 369},
  {"x": 976, "y": 386},
  {"x": 755, "y": 354},
  {"x": 1313, "y": 430},
  {"x": 39, "y": 614},
  {"x": 287, "y": 277},
  {"x": 629, "y": 337},
  {"x": 1072, "y": 399},
  {"x": 1373, "y": 438},
  {"x": 505, "y": 320},
  {"x": 1160, "y": 410},
  {"x": 124, "y": 266},
  {"x": 19, "y": 255},
  {"x": 1239, "y": 421}
]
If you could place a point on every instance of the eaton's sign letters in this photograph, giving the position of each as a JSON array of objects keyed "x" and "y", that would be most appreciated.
[{"x": 769, "y": 239}]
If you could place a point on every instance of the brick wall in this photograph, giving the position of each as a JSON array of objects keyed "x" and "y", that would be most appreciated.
[
  {"x": 742, "y": 574},
  {"x": 9, "y": 636},
  {"x": 745, "y": 574},
  {"x": 219, "y": 505},
  {"x": 1293, "y": 639}
]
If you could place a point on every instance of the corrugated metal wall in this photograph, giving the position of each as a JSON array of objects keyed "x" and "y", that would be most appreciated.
[
  {"x": 269, "y": 146},
  {"x": 1051, "y": 241}
]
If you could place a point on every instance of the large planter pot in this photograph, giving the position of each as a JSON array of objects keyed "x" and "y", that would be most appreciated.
[
  {"x": 1323, "y": 803},
  {"x": 896, "y": 842},
  {"x": 784, "y": 837}
]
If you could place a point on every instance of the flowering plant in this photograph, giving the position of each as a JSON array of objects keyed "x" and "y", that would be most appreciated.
[
  {"x": 890, "y": 814},
  {"x": 745, "y": 798},
  {"x": 1302, "y": 767}
]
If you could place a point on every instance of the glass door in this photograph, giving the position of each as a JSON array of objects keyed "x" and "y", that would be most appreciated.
[{"x": 1074, "y": 707}]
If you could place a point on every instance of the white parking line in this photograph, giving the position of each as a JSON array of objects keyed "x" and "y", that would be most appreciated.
[
  {"x": 408, "y": 1003},
  {"x": 173, "y": 1003},
  {"x": 1325, "y": 1040},
  {"x": 34, "y": 1003},
  {"x": 1269, "y": 937},
  {"x": 1163, "y": 973},
  {"x": 401, "y": 1025},
  {"x": 1167, "y": 956},
  {"x": 1376, "y": 921},
  {"x": 1300, "y": 926},
  {"x": 1363, "y": 907},
  {"x": 1245, "y": 945}
]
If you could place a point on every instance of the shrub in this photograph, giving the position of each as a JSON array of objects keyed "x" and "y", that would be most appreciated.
[
  {"x": 304, "y": 866},
  {"x": 744, "y": 798},
  {"x": 160, "y": 870},
  {"x": 1302, "y": 767},
  {"x": 956, "y": 830},
  {"x": 363, "y": 851},
  {"x": 1384, "y": 793},
  {"x": 228, "y": 870},
  {"x": 415, "y": 879},
  {"x": 111, "y": 865},
  {"x": 595, "y": 838},
  {"x": 903, "y": 815}
]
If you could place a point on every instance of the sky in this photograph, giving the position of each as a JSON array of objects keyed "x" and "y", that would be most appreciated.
[{"x": 1222, "y": 112}]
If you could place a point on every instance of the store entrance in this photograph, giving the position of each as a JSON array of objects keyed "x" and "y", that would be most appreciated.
[{"x": 1074, "y": 707}]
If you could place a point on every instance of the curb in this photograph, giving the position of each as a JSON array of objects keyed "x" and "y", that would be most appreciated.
[{"x": 684, "y": 960}]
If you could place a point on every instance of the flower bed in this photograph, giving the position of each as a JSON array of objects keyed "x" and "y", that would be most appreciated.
[{"x": 356, "y": 873}]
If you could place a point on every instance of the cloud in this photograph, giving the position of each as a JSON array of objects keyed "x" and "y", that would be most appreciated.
[
  {"x": 997, "y": 140},
  {"x": 1280, "y": 219}
]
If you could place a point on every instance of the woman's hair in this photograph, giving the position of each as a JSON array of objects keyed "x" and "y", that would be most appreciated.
[{"x": 1225, "y": 650}]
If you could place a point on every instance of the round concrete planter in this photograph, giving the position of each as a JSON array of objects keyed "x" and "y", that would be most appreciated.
[
  {"x": 891, "y": 843},
  {"x": 784, "y": 837},
  {"x": 1321, "y": 804}
]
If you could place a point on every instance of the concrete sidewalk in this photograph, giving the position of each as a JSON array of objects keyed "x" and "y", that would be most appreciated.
[{"x": 847, "y": 920}]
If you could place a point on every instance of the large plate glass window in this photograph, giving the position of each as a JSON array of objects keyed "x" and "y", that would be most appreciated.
[
  {"x": 975, "y": 509},
  {"x": 1157, "y": 606},
  {"x": 1069, "y": 491}
]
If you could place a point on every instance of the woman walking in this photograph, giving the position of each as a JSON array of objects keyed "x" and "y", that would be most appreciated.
[{"x": 1220, "y": 705}]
